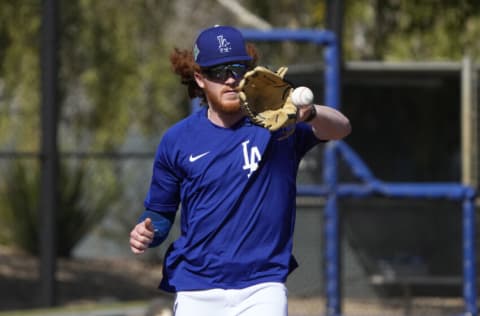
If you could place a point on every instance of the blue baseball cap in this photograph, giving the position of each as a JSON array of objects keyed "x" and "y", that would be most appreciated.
[{"x": 219, "y": 45}]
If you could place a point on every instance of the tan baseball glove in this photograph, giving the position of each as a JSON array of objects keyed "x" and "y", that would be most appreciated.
[{"x": 266, "y": 98}]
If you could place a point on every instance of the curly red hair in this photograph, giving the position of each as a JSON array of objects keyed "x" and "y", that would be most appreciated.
[{"x": 184, "y": 65}]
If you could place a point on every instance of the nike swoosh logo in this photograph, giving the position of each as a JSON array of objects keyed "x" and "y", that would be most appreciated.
[{"x": 194, "y": 158}]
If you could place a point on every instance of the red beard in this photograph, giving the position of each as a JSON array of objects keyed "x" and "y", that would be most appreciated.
[{"x": 224, "y": 103}]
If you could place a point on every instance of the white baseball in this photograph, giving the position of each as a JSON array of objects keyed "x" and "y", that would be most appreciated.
[{"x": 302, "y": 96}]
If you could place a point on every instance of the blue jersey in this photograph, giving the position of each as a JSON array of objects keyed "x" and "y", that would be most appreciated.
[{"x": 237, "y": 188}]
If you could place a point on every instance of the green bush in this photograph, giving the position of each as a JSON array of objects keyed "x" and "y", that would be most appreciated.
[{"x": 84, "y": 197}]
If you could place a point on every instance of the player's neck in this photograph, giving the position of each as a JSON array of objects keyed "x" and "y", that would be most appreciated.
[{"x": 224, "y": 119}]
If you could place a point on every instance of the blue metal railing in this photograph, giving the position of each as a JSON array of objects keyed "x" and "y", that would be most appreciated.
[{"x": 370, "y": 186}]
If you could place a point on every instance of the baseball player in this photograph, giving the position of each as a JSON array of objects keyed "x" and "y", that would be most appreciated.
[{"x": 236, "y": 184}]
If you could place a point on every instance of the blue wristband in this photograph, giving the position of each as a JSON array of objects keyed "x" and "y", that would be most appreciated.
[{"x": 162, "y": 223}]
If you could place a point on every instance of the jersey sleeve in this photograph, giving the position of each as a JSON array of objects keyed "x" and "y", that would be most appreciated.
[
  {"x": 305, "y": 138},
  {"x": 164, "y": 191}
]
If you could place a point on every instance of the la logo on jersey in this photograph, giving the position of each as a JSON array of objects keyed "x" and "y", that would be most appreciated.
[
  {"x": 223, "y": 45},
  {"x": 251, "y": 158}
]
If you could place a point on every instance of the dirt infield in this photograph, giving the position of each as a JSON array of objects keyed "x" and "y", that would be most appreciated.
[{"x": 88, "y": 282}]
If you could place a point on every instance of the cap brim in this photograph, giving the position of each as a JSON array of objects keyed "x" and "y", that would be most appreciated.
[{"x": 224, "y": 60}]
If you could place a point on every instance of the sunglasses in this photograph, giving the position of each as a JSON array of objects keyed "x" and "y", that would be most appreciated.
[{"x": 223, "y": 72}]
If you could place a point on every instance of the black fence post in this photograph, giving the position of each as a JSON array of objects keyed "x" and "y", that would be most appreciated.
[
  {"x": 334, "y": 23},
  {"x": 49, "y": 153}
]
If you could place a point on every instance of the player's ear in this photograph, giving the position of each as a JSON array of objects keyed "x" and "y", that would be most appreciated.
[{"x": 199, "y": 79}]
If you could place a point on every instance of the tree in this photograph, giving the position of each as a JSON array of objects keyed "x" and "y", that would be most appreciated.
[
  {"x": 114, "y": 79},
  {"x": 411, "y": 30},
  {"x": 388, "y": 29}
]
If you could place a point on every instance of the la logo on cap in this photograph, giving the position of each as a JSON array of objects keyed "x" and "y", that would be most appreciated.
[{"x": 223, "y": 44}]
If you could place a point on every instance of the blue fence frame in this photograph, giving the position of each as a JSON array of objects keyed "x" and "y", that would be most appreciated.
[{"x": 370, "y": 186}]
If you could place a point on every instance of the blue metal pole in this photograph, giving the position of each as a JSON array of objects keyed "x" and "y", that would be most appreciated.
[
  {"x": 332, "y": 240},
  {"x": 319, "y": 37},
  {"x": 332, "y": 222},
  {"x": 469, "y": 273},
  {"x": 332, "y": 75}
]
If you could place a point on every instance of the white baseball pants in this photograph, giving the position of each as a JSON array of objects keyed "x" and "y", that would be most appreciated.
[{"x": 265, "y": 299}]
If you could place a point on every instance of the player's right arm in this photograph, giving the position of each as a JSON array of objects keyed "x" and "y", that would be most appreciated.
[{"x": 152, "y": 229}]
